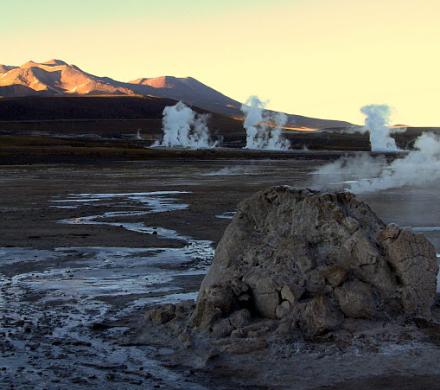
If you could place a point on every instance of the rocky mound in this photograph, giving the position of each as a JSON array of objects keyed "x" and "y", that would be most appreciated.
[{"x": 313, "y": 261}]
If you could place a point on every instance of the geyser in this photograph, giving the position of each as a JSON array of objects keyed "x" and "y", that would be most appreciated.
[
  {"x": 377, "y": 123},
  {"x": 182, "y": 127},
  {"x": 263, "y": 130},
  {"x": 420, "y": 167}
]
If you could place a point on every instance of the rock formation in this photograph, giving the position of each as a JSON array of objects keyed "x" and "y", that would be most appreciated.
[{"x": 312, "y": 261}]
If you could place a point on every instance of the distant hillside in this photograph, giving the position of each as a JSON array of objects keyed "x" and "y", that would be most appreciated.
[
  {"x": 37, "y": 108},
  {"x": 57, "y": 78},
  {"x": 105, "y": 116}
]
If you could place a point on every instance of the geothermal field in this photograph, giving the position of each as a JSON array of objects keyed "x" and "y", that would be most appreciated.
[
  {"x": 101, "y": 264},
  {"x": 219, "y": 195}
]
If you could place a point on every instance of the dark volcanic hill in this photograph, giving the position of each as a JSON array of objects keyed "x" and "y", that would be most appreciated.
[
  {"x": 190, "y": 91},
  {"x": 57, "y": 78},
  {"x": 105, "y": 116},
  {"x": 71, "y": 108}
]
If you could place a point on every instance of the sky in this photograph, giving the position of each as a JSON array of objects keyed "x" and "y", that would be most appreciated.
[{"x": 320, "y": 58}]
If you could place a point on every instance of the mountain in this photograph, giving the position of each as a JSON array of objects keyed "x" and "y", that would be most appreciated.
[
  {"x": 58, "y": 78},
  {"x": 5, "y": 68},
  {"x": 190, "y": 91}
]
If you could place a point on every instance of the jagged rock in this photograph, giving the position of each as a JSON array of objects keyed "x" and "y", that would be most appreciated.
[
  {"x": 216, "y": 303},
  {"x": 356, "y": 300},
  {"x": 283, "y": 309},
  {"x": 335, "y": 275},
  {"x": 162, "y": 314},
  {"x": 265, "y": 294},
  {"x": 315, "y": 259},
  {"x": 288, "y": 295},
  {"x": 319, "y": 315},
  {"x": 240, "y": 318},
  {"x": 415, "y": 270},
  {"x": 222, "y": 328}
]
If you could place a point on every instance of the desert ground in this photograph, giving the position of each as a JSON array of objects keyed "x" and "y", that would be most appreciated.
[{"x": 87, "y": 249}]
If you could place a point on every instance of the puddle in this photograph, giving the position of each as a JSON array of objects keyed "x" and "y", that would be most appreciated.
[
  {"x": 129, "y": 271},
  {"x": 234, "y": 171},
  {"x": 157, "y": 202},
  {"x": 425, "y": 229},
  {"x": 98, "y": 272},
  {"x": 226, "y": 215},
  {"x": 47, "y": 312},
  {"x": 10, "y": 256}
]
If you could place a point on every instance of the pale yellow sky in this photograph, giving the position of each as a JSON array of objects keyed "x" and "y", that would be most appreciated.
[{"x": 322, "y": 58}]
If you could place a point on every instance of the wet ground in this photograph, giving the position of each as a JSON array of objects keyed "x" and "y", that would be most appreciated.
[{"x": 84, "y": 250}]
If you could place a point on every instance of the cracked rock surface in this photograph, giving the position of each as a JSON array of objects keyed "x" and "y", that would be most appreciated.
[{"x": 313, "y": 261}]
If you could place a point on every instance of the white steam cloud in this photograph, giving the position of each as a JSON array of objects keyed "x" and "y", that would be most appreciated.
[
  {"x": 182, "y": 127},
  {"x": 377, "y": 124},
  {"x": 364, "y": 173},
  {"x": 259, "y": 133}
]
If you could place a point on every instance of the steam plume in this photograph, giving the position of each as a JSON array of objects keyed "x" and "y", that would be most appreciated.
[
  {"x": 182, "y": 127},
  {"x": 259, "y": 135},
  {"x": 377, "y": 121},
  {"x": 419, "y": 167},
  {"x": 377, "y": 124}
]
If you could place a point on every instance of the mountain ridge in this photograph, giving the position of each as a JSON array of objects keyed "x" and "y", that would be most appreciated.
[{"x": 56, "y": 77}]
